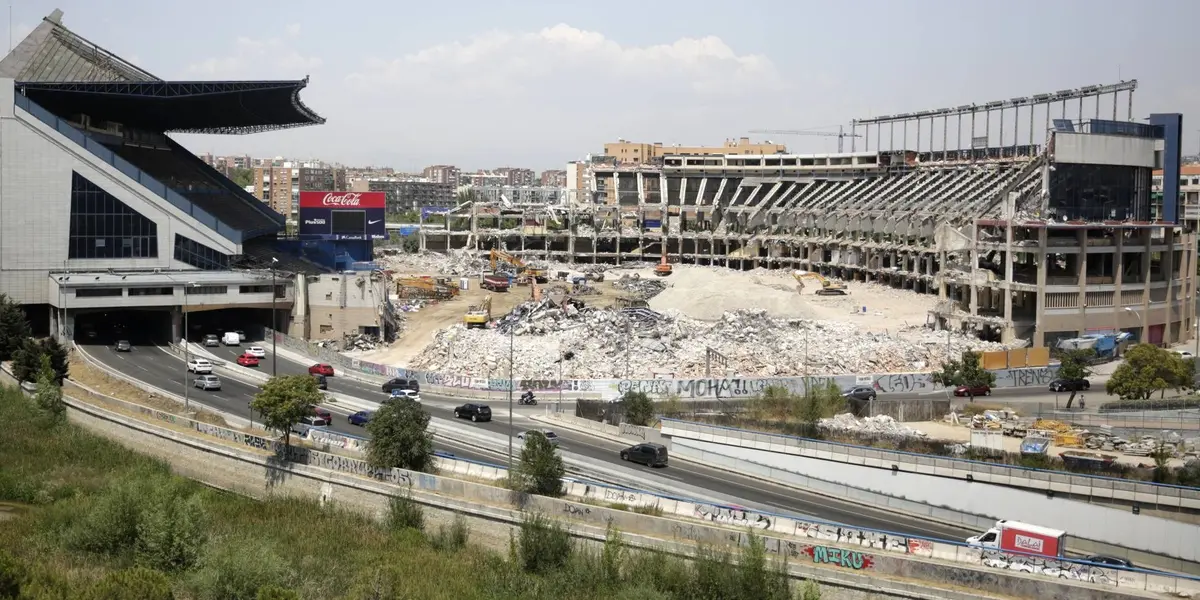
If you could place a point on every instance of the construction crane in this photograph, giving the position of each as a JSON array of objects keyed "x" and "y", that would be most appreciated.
[
  {"x": 828, "y": 288},
  {"x": 840, "y": 135}
]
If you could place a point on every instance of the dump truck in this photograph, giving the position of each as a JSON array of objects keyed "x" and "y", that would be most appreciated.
[
  {"x": 429, "y": 288},
  {"x": 478, "y": 316},
  {"x": 494, "y": 282},
  {"x": 828, "y": 288},
  {"x": 1013, "y": 536}
]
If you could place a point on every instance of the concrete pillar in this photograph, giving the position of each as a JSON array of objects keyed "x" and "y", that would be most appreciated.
[
  {"x": 1168, "y": 267},
  {"x": 1081, "y": 274},
  {"x": 1039, "y": 334},
  {"x": 973, "y": 258},
  {"x": 1147, "y": 240},
  {"x": 1118, "y": 277}
]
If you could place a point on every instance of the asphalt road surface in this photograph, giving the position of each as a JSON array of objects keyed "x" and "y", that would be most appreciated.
[{"x": 159, "y": 368}]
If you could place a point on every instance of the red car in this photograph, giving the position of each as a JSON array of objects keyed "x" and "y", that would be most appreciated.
[
  {"x": 321, "y": 369},
  {"x": 247, "y": 361},
  {"x": 320, "y": 412},
  {"x": 979, "y": 390}
]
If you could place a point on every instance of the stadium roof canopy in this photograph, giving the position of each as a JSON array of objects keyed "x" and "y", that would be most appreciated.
[{"x": 67, "y": 75}]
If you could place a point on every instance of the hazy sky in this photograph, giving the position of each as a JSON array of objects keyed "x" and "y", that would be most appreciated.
[{"x": 537, "y": 83}]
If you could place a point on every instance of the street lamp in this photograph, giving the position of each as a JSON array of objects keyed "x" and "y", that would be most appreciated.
[
  {"x": 274, "y": 323},
  {"x": 186, "y": 388},
  {"x": 1141, "y": 322}
]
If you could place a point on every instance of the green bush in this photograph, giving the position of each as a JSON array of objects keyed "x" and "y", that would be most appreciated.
[
  {"x": 405, "y": 513},
  {"x": 12, "y": 576},
  {"x": 133, "y": 584},
  {"x": 543, "y": 545},
  {"x": 235, "y": 568},
  {"x": 110, "y": 524},
  {"x": 451, "y": 538},
  {"x": 172, "y": 531},
  {"x": 274, "y": 592}
]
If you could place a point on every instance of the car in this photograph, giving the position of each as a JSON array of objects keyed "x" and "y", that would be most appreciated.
[
  {"x": 361, "y": 418},
  {"x": 400, "y": 383},
  {"x": 199, "y": 366},
  {"x": 207, "y": 382},
  {"x": 241, "y": 335},
  {"x": 321, "y": 369},
  {"x": 231, "y": 338},
  {"x": 246, "y": 360},
  {"x": 314, "y": 421},
  {"x": 550, "y": 435},
  {"x": 1112, "y": 561},
  {"x": 474, "y": 412},
  {"x": 322, "y": 383},
  {"x": 320, "y": 412},
  {"x": 1182, "y": 353},
  {"x": 406, "y": 394},
  {"x": 979, "y": 390},
  {"x": 211, "y": 341},
  {"x": 256, "y": 351},
  {"x": 1070, "y": 385},
  {"x": 651, "y": 455},
  {"x": 859, "y": 392},
  {"x": 123, "y": 346}
]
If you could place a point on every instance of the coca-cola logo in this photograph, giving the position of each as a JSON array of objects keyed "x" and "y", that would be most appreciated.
[{"x": 347, "y": 199}]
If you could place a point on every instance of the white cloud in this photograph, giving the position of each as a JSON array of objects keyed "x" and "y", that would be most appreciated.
[{"x": 270, "y": 58}]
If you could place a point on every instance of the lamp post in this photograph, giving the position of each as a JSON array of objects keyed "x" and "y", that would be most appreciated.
[
  {"x": 186, "y": 388},
  {"x": 274, "y": 323},
  {"x": 558, "y": 409},
  {"x": 1141, "y": 322}
]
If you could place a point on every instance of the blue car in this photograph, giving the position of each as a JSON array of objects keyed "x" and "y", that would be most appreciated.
[{"x": 361, "y": 418}]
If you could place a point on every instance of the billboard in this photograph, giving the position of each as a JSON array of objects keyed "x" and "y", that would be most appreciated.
[{"x": 342, "y": 215}]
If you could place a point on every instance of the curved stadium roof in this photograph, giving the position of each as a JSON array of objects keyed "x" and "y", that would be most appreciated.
[{"x": 67, "y": 74}]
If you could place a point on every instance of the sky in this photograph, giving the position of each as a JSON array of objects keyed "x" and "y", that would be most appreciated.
[{"x": 532, "y": 83}]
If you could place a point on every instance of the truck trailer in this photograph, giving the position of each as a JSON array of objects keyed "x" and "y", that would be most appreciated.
[{"x": 1013, "y": 536}]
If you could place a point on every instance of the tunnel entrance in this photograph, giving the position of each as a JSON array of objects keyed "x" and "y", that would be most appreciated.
[
  {"x": 251, "y": 321},
  {"x": 105, "y": 326}
]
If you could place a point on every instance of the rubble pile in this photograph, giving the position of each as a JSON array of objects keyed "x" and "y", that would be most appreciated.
[
  {"x": 456, "y": 263},
  {"x": 641, "y": 287},
  {"x": 634, "y": 342},
  {"x": 360, "y": 341},
  {"x": 879, "y": 424}
]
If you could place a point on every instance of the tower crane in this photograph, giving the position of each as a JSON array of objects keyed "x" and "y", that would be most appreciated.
[{"x": 840, "y": 135}]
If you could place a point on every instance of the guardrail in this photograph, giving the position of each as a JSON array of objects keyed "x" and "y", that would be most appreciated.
[
  {"x": 803, "y": 539},
  {"x": 718, "y": 388},
  {"x": 1096, "y": 486}
]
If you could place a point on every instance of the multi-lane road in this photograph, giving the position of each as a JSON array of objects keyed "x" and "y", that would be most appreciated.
[{"x": 160, "y": 368}]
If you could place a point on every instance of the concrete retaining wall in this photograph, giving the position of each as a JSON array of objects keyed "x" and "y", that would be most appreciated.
[
  {"x": 728, "y": 387},
  {"x": 950, "y": 483},
  {"x": 850, "y": 557}
]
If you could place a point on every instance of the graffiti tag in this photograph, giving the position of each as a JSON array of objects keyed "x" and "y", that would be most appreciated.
[
  {"x": 841, "y": 557},
  {"x": 1048, "y": 566},
  {"x": 732, "y": 516}
]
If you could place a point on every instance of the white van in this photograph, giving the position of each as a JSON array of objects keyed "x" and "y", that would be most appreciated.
[{"x": 231, "y": 338}]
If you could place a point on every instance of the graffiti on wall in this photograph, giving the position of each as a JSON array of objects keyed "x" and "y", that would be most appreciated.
[
  {"x": 904, "y": 383},
  {"x": 1026, "y": 377},
  {"x": 731, "y": 516},
  {"x": 839, "y": 557},
  {"x": 1050, "y": 567},
  {"x": 862, "y": 537}
]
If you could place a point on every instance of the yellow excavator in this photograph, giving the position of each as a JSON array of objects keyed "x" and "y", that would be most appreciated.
[
  {"x": 828, "y": 288},
  {"x": 430, "y": 288},
  {"x": 478, "y": 315},
  {"x": 538, "y": 275}
]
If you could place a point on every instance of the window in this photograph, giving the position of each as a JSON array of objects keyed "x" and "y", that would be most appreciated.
[
  {"x": 104, "y": 227},
  {"x": 200, "y": 256},
  {"x": 202, "y": 290},
  {"x": 151, "y": 291},
  {"x": 98, "y": 292}
]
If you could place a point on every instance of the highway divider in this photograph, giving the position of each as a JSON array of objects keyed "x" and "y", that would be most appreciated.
[
  {"x": 1019, "y": 493},
  {"x": 471, "y": 386},
  {"x": 847, "y": 551}
]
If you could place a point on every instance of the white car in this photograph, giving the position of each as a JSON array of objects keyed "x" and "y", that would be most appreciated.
[
  {"x": 407, "y": 395},
  {"x": 207, "y": 382},
  {"x": 256, "y": 352},
  {"x": 550, "y": 435},
  {"x": 199, "y": 366}
]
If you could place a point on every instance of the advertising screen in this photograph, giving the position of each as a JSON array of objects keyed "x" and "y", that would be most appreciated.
[{"x": 342, "y": 215}]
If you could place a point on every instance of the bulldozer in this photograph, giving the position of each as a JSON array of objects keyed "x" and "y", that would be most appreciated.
[
  {"x": 428, "y": 288},
  {"x": 828, "y": 288},
  {"x": 522, "y": 270},
  {"x": 478, "y": 315}
]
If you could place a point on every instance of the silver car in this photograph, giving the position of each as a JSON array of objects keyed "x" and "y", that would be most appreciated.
[
  {"x": 207, "y": 382},
  {"x": 550, "y": 435}
]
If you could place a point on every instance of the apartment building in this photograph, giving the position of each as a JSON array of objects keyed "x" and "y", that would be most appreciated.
[
  {"x": 442, "y": 174},
  {"x": 280, "y": 186},
  {"x": 553, "y": 178},
  {"x": 408, "y": 193},
  {"x": 515, "y": 176},
  {"x": 627, "y": 152}
]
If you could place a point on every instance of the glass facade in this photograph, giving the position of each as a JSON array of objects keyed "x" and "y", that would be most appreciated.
[
  {"x": 104, "y": 227},
  {"x": 200, "y": 256},
  {"x": 1098, "y": 192}
]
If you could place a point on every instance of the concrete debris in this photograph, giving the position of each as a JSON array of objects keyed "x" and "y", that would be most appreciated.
[
  {"x": 641, "y": 287},
  {"x": 360, "y": 341},
  {"x": 637, "y": 342},
  {"x": 456, "y": 263},
  {"x": 878, "y": 424}
]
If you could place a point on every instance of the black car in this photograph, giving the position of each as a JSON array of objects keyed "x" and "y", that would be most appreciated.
[
  {"x": 1111, "y": 561},
  {"x": 864, "y": 393},
  {"x": 123, "y": 346},
  {"x": 322, "y": 383},
  {"x": 1070, "y": 385},
  {"x": 651, "y": 455},
  {"x": 400, "y": 383},
  {"x": 474, "y": 412}
]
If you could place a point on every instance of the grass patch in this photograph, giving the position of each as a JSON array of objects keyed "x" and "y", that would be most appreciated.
[{"x": 85, "y": 517}]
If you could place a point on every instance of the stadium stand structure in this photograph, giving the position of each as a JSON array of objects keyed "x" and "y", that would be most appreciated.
[{"x": 1030, "y": 231}]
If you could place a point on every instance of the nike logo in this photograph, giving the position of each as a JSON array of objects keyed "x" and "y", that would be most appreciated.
[{"x": 373, "y": 222}]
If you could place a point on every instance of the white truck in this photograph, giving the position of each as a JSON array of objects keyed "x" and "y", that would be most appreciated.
[
  {"x": 231, "y": 338},
  {"x": 1013, "y": 536}
]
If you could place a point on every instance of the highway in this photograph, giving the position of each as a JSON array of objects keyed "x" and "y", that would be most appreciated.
[{"x": 160, "y": 368}]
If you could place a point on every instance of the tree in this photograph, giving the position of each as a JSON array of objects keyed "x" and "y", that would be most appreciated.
[
  {"x": 27, "y": 361},
  {"x": 400, "y": 437},
  {"x": 242, "y": 177},
  {"x": 820, "y": 403},
  {"x": 967, "y": 372},
  {"x": 639, "y": 409},
  {"x": 49, "y": 392},
  {"x": 541, "y": 469},
  {"x": 1147, "y": 369},
  {"x": 1075, "y": 364},
  {"x": 284, "y": 400},
  {"x": 14, "y": 327}
]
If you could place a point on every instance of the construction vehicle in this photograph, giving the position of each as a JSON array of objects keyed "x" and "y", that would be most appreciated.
[
  {"x": 496, "y": 283},
  {"x": 478, "y": 315},
  {"x": 522, "y": 269},
  {"x": 828, "y": 288},
  {"x": 663, "y": 268},
  {"x": 429, "y": 288}
]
